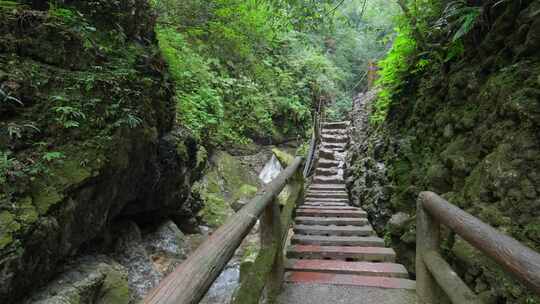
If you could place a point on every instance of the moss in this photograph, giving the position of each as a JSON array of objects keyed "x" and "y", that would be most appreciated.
[
  {"x": 245, "y": 192},
  {"x": 26, "y": 211},
  {"x": 225, "y": 182},
  {"x": 216, "y": 210},
  {"x": 45, "y": 197},
  {"x": 494, "y": 216},
  {"x": 8, "y": 226},
  {"x": 70, "y": 172},
  {"x": 248, "y": 259},
  {"x": 115, "y": 289},
  {"x": 284, "y": 158}
]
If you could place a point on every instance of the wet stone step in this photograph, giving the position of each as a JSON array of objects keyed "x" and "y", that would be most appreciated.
[
  {"x": 326, "y": 221},
  {"x": 365, "y": 230},
  {"x": 299, "y": 277},
  {"x": 330, "y": 154},
  {"x": 331, "y": 213},
  {"x": 328, "y": 164},
  {"x": 328, "y": 171},
  {"x": 327, "y": 187},
  {"x": 335, "y": 194},
  {"x": 329, "y": 208},
  {"x": 349, "y": 253},
  {"x": 328, "y": 179},
  {"x": 326, "y": 139},
  {"x": 322, "y": 240},
  {"x": 330, "y": 204},
  {"x": 392, "y": 270},
  {"x": 335, "y": 125},
  {"x": 328, "y": 131},
  {"x": 326, "y": 200}
]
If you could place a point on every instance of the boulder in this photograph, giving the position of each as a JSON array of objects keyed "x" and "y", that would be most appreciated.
[{"x": 89, "y": 280}]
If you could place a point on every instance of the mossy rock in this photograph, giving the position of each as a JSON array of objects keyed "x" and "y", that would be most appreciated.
[
  {"x": 226, "y": 184},
  {"x": 285, "y": 159},
  {"x": 216, "y": 210},
  {"x": 8, "y": 226}
]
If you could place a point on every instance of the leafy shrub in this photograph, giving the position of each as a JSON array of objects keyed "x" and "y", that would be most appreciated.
[{"x": 393, "y": 70}]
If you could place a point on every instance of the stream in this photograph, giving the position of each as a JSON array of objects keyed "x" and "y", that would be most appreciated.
[{"x": 223, "y": 288}]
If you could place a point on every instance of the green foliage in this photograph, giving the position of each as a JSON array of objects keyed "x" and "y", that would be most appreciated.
[
  {"x": 252, "y": 69},
  {"x": 458, "y": 18},
  {"x": 441, "y": 27},
  {"x": 53, "y": 156},
  {"x": 68, "y": 116},
  {"x": 393, "y": 71}
]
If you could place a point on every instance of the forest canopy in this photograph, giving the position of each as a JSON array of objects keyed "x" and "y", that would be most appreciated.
[{"x": 255, "y": 70}]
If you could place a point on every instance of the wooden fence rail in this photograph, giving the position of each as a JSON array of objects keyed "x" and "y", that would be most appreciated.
[
  {"x": 432, "y": 271},
  {"x": 191, "y": 280}
]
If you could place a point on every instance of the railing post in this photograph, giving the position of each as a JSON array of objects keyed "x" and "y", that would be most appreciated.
[
  {"x": 271, "y": 238},
  {"x": 427, "y": 239}
]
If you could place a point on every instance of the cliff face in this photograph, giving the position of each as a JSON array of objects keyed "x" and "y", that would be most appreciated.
[
  {"x": 87, "y": 134},
  {"x": 470, "y": 131}
]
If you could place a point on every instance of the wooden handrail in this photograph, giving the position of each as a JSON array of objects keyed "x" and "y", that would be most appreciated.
[
  {"x": 432, "y": 210},
  {"x": 191, "y": 280}
]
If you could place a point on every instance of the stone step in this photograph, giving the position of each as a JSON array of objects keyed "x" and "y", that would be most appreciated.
[
  {"x": 328, "y": 179},
  {"x": 335, "y": 131},
  {"x": 326, "y": 200},
  {"x": 334, "y": 138},
  {"x": 342, "y": 191},
  {"x": 327, "y": 193},
  {"x": 328, "y": 187},
  {"x": 310, "y": 278},
  {"x": 331, "y": 213},
  {"x": 322, "y": 240},
  {"x": 328, "y": 171},
  {"x": 328, "y": 154},
  {"x": 349, "y": 253},
  {"x": 325, "y": 163},
  {"x": 329, "y": 208},
  {"x": 366, "y": 230},
  {"x": 391, "y": 270},
  {"x": 326, "y": 221},
  {"x": 335, "y": 125},
  {"x": 334, "y": 146},
  {"x": 335, "y": 204}
]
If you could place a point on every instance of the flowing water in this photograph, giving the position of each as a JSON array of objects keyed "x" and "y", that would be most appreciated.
[{"x": 225, "y": 285}]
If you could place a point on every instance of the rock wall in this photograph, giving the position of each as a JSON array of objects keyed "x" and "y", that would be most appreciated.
[
  {"x": 470, "y": 131},
  {"x": 87, "y": 136}
]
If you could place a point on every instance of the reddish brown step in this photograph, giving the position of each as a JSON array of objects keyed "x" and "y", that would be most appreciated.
[
  {"x": 322, "y": 240},
  {"x": 299, "y": 277},
  {"x": 365, "y": 230},
  {"x": 392, "y": 270},
  {"x": 349, "y": 253},
  {"x": 331, "y": 213},
  {"x": 326, "y": 221}
]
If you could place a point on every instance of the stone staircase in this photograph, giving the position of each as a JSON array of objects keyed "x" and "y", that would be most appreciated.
[{"x": 334, "y": 250}]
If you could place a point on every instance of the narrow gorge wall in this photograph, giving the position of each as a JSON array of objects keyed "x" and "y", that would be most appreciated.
[
  {"x": 470, "y": 131},
  {"x": 88, "y": 139}
]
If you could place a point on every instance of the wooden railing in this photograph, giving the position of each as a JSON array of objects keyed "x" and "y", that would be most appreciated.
[
  {"x": 319, "y": 118},
  {"x": 191, "y": 280},
  {"x": 434, "y": 275}
]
